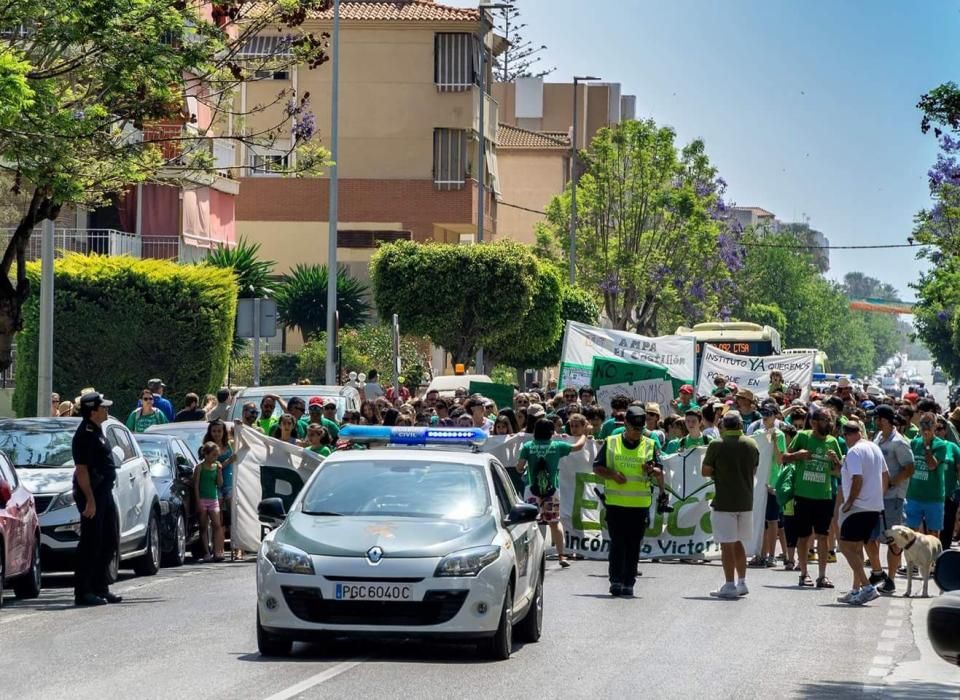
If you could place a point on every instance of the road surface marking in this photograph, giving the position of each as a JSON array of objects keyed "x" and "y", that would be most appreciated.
[
  {"x": 894, "y": 622},
  {"x": 882, "y": 660},
  {"x": 878, "y": 672},
  {"x": 889, "y": 634},
  {"x": 316, "y": 680}
]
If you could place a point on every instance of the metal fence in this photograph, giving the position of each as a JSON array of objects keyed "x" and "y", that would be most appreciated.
[{"x": 102, "y": 242}]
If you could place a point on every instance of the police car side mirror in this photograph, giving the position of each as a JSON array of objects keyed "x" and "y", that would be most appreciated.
[
  {"x": 271, "y": 511},
  {"x": 522, "y": 513}
]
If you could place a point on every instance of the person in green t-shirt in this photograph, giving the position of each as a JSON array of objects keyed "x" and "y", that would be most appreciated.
[
  {"x": 685, "y": 401},
  {"x": 817, "y": 456},
  {"x": 926, "y": 492},
  {"x": 910, "y": 429},
  {"x": 543, "y": 454},
  {"x": 267, "y": 421},
  {"x": 694, "y": 437},
  {"x": 618, "y": 409},
  {"x": 142, "y": 418},
  {"x": 318, "y": 440}
]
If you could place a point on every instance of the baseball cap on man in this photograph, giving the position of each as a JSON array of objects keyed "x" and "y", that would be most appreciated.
[
  {"x": 94, "y": 400},
  {"x": 535, "y": 410},
  {"x": 636, "y": 416},
  {"x": 686, "y": 389},
  {"x": 315, "y": 402},
  {"x": 886, "y": 411}
]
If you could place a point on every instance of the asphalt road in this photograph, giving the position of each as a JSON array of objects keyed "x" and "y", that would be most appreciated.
[
  {"x": 189, "y": 632},
  {"x": 940, "y": 392}
]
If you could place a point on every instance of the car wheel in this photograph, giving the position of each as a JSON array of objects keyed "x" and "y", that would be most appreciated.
[
  {"x": 531, "y": 625},
  {"x": 270, "y": 644},
  {"x": 28, "y": 585},
  {"x": 149, "y": 563},
  {"x": 178, "y": 554},
  {"x": 499, "y": 646}
]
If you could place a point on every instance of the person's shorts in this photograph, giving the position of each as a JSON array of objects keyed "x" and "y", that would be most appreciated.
[
  {"x": 729, "y": 527},
  {"x": 813, "y": 515},
  {"x": 549, "y": 506},
  {"x": 921, "y": 511},
  {"x": 773, "y": 508},
  {"x": 859, "y": 527},
  {"x": 892, "y": 515},
  {"x": 209, "y": 505},
  {"x": 226, "y": 491}
]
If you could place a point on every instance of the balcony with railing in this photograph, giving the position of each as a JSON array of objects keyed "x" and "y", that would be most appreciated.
[
  {"x": 177, "y": 142},
  {"x": 101, "y": 242}
]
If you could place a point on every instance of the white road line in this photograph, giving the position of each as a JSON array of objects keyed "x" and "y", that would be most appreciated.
[
  {"x": 894, "y": 622},
  {"x": 886, "y": 646},
  {"x": 878, "y": 672},
  {"x": 148, "y": 584},
  {"x": 319, "y": 678},
  {"x": 882, "y": 660},
  {"x": 890, "y": 634}
]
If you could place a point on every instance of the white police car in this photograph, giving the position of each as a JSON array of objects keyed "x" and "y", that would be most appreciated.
[{"x": 428, "y": 541}]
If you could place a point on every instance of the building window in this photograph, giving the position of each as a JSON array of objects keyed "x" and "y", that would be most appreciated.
[
  {"x": 449, "y": 159},
  {"x": 456, "y": 61},
  {"x": 268, "y": 164},
  {"x": 273, "y": 74}
]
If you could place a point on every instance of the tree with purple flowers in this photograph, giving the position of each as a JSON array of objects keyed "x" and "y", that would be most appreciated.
[
  {"x": 654, "y": 243},
  {"x": 938, "y": 228}
]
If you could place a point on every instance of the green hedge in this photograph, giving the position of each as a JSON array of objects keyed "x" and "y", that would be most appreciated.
[{"x": 119, "y": 321}]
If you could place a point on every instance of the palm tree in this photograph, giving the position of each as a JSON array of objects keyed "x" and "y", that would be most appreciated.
[
  {"x": 253, "y": 274},
  {"x": 302, "y": 299}
]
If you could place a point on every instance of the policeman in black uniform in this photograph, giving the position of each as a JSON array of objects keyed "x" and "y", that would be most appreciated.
[{"x": 93, "y": 480}]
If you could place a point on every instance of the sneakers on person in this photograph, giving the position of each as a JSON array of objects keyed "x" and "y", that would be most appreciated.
[
  {"x": 727, "y": 590},
  {"x": 616, "y": 589},
  {"x": 771, "y": 562},
  {"x": 812, "y": 555},
  {"x": 888, "y": 587},
  {"x": 877, "y": 577},
  {"x": 757, "y": 562},
  {"x": 849, "y": 596},
  {"x": 742, "y": 589},
  {"x": 867, "y": 593},
  {"x": 627, "y": 592},
  {"x": 563, "y": 563},
  {"x": 832, "y": 556}
]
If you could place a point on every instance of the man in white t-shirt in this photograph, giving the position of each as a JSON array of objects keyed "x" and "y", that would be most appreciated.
[{"x": 863, "y": 476}]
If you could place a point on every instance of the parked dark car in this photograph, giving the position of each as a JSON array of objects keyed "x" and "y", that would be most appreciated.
[
  {"x": 171, "y": 467},
  {"x": 191, "y": 432}
]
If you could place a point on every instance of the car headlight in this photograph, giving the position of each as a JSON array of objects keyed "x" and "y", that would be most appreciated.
[
  {"x": 64, "y": 500},
  {"x": 287, "y": 559},
  {"x": 468, "y": 562}
]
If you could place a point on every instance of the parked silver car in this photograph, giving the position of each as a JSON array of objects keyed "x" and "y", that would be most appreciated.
[{"x": 41, "y": 450}]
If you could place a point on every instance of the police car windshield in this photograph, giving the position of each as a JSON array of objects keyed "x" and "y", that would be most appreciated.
[
  {"x": 399, "y": 488},
  {"x": 33, "y": 448}
]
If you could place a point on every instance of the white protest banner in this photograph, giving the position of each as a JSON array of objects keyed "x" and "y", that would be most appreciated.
[
  {"x": 764, "y": 440},
  {"x": 752, "y": 372},
  {"x": 264, "y": 468},
  {"x": 648, "y": 390},
  {"x": 686, "y": 533},
  {"x": 582, "y": 342}
]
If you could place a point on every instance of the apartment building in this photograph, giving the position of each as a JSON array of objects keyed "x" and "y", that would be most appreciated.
[
  {"x": 533, "y": 143},
  {"x": 815, "y": 242},
  {"x": 409, "y": 137}
]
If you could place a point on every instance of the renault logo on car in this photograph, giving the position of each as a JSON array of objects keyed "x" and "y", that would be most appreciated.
[{"x": 375, "y": 554}]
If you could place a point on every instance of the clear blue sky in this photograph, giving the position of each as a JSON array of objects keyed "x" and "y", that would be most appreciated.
[{"x": 807, "y": 108}]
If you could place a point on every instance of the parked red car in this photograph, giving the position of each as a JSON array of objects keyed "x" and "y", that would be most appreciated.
[{"x": 19, "y": 535}]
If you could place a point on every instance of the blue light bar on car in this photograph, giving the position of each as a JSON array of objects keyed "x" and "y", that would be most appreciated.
[{"x": 395, "y": 435}]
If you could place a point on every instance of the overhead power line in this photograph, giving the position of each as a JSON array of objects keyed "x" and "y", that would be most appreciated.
[{"x": 759, "y": 244}]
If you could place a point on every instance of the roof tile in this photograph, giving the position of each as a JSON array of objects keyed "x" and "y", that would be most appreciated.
[
  {"x": 514, "y": 137},
  {"x": 399, "y": 10}
]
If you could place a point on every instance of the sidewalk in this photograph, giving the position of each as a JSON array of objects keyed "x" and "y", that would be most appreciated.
[{"x": 921, "y": 673}]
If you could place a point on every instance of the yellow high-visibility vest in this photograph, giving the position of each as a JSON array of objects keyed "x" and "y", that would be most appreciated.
[{"x": 637, "y": 492}]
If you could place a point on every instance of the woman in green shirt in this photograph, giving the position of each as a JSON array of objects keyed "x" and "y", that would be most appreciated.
[{"x": 142, "y": 418}]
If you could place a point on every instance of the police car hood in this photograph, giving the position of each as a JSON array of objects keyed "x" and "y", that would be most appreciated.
[
  {"x": 353, "y": 536},
  {"x": 46, "y": 479}
]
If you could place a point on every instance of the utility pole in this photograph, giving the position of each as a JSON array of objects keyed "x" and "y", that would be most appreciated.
[
  {"x": 331, "y": 364},
  {"x": 573, "y": 179},
  {"x": 45, "y": 350}
]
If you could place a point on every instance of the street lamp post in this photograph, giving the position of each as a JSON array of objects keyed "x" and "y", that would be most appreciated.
[
  {"x": 482, "y": 164},
  {"x": 573, "y": 180},
  {"x": 331, "y": 364}
]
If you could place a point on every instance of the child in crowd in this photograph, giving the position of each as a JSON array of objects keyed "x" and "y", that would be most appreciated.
[{"x": 207, "y": 482}]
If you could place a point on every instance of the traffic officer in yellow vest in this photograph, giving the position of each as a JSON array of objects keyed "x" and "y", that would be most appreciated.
[{"x": 629, "y": 463}]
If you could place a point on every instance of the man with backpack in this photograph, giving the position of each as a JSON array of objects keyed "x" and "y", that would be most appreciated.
[{"x": 543, "y": 454}]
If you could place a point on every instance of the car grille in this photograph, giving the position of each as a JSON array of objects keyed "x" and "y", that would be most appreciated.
[
  {"x": 43, "y": 502},
  {"x": 436, "y": 608}
]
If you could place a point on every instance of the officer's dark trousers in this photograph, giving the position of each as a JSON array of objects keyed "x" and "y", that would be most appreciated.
[
  {"x": 98, "y": 546},
  {"x": 625, "y": 527}
]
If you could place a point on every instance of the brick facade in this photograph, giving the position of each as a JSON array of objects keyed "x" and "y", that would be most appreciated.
[{"x": 415, "y": 204}]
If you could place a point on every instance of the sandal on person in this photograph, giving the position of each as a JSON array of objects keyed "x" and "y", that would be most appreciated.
[
  {"x": 790, "y": 566},
  {"x": 238, "y": 555},
  {"x": 757, "y": 563},
  {"x": 824, "y": 582},
  {"x": 806, "y": 581}
]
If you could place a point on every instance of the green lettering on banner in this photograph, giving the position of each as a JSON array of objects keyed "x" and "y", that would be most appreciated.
[
  {"x": 656, "y": 526},
  {"x": 705, "y": 523},
  {"x": 581, "y": 503},
  {"x": 673, "y": 524}
]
